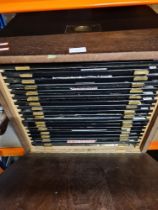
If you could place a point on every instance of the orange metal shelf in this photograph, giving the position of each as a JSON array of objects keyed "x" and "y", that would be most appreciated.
[
  {"x": 18, "y": 151},
  {"x": 153, "y": 145},
  {"x": 8, "y": 6}
]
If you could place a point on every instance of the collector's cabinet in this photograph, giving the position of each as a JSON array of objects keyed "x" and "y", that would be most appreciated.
[{"x": 81, "y": 81}]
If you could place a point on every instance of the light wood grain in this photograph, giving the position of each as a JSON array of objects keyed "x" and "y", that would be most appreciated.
[{"x": 13, "y": 115}]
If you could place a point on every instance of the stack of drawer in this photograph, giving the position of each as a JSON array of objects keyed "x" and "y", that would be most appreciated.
[{"x": 84, "y": 103}]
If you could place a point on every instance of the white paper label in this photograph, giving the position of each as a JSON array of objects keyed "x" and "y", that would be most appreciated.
[
  {"x": 4, "y": 44},
  {"x": 147, "y": 98},
  {"x": 78, "y": 50},
  {"x": 144, "y": 108},
  {"x": 95, "y": 69},
  {"x": 148, "y": 93},
  {"x": 87, "y": 141},
  {"x": 4, "y": 49},
  {"x": 88, "y": 88},
  {"x": 138, "y": 118},
  {"x": 152, "y": 67}
]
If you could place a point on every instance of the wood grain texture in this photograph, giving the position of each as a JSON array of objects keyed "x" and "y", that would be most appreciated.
[
  {"x": 104, "y": 148},
  {"x": 122, "y": 56},
  {"x": 142, "y": 44},
  {"x": 13, "y": 115},
  {"x": 98, "y": 42},
  {"x": 81, "y": 182},
  {"x": 151, "y": 132}
]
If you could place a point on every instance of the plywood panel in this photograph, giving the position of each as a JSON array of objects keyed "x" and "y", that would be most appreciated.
[{"x": 13, "y": 115}]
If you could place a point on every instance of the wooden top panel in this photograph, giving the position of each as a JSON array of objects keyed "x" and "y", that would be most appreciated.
[
  {"x": 70, "y": 182},
  {"x": 8, "y": 6},
  {"x": 129, "y": 44},
  {"x": 121, "y": 34}
]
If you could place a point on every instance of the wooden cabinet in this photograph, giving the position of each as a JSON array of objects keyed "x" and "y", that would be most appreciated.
[{"x": 86, "y": 84}]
